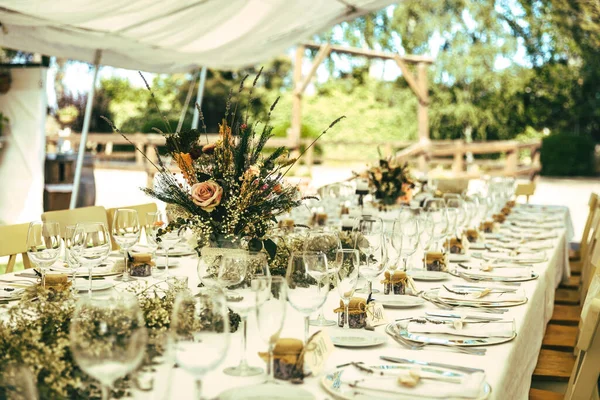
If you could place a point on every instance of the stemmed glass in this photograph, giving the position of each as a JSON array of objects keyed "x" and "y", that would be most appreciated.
[
  {"x": 308, "y": 284},
  {"x": 405, "y": 239},
  {"x": 270, "y": 316},
  {"x": 458, "y": 206},
  {"x": 370, "y": 241},
  {"x": 91, "y": 246},
  {"x": 70, "y": 259},
  {"x": 108, "y": 337},
  {"x": 17, "y": 382},
  {"x": 346, "y": 276},
  {"x": 327, "y": 241},
  {"x": 426, "y": 226},
  {"x": 243, "y": 299},
  {"x": 126, "y": 232},
  {"x": 165, "y": 238},
  {"x": 200, "y": 332},
  {"x": 438, "y": 212},
  {"x": 43, "y": 245}
]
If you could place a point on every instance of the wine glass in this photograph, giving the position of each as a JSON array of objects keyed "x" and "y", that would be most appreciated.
[
  {"x": 43, "y": 245},
  {"x": 458, "y": 205},
  {"x": 438, "y": 212},
  {"x": 270, "y": 316},
  {"x": 71, "y": 260},
  {"x": 308, "y": 284},
  {"x": 327, "y": 241},
  {"x": 108, "y": 337},
  {"x": 200, "y": 332},
  {"x": 346, "y": 275},
  {"x": 126, "y": 232},
  {"x": 405, "y": 239},
  {"x": 426, "y": 226},
  {"x": 17, "y": 382},
  {"x": 244, "y": 298},
  {"x": 370, "y": 241},
  {"x": 165, "y": 237},
  {"x": 91, "y": 246}
]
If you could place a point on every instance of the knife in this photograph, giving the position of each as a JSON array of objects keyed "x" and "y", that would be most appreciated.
[
  {"x": 431, "y": 364},
  {"x": 451, "y": 315}
]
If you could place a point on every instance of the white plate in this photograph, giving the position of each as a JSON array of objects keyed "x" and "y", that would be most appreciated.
[
  {"x": 458, "y": 257},
  {"x": 339, "y": 390},
  {"x": 433, "y": 295},
  {"x": 177, "y": 252},
  {"x": 454, "y": 340},
  {"x": 477, "y": 246},
  {"x": 398, "y": 301},
  {"x": 423, "y": 275},
  {"x": 356, "y": 337},
  {"x": 82, "y": 285},
  {"x": 279, "y": 391},
  {"x": 160, "y": 262}
]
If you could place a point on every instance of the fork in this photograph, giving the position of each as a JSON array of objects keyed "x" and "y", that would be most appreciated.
[{"x": 421, "y": 346}]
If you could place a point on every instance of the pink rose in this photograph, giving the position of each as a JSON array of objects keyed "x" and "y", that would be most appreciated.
[{"x": 207, "y": 195}]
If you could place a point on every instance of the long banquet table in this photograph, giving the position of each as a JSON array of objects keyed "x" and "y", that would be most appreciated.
[{"x": 508, "y": 367}]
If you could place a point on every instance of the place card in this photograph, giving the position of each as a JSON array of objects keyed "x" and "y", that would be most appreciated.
[
  {"x": 375, "y": 314},
  {"x": 316, "y": 352}
]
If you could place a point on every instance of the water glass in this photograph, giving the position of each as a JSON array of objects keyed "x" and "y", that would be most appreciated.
[
  {"x": 164, "y": 236},
  {"x": 346, "y": 276},
  {"x": 254, "y": 286},
  {"x": 270, "y": 316},
  {"x": 370, "y": 241},
  {"x": 43, "y": 245},
  {"x": 108, "y": 337},
  {"x": 126, "y": 232},
  {"x": 91, "y": 246},
  {"x": 200, "y": 332}
]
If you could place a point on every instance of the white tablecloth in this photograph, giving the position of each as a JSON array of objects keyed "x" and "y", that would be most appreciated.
[{"x": 508, "y": 366}]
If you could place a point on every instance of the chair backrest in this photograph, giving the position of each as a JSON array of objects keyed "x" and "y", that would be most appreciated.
[
  {"x": 14, "y": 241},
  {"x": 590, "y": 223},
  {"x": 142, "y": 210},
  {"x": 583, "y": 384},
  {"x": 72, "y": 217},
  {"x": 591, "y": 258}
]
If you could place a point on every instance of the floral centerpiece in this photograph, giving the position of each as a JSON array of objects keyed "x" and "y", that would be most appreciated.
[
  {"x": 391, "y": 182},
  {"x": 231, "y": 188}
]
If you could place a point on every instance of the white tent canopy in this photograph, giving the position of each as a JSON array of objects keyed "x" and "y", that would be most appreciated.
[{"x": 170, "y": 35}]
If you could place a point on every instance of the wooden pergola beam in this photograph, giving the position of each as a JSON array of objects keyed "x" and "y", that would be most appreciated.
[
  {"x": 355, "y": 51},
  {"x": 324, "y": 51},
  {"x": 410, "y": 79}
]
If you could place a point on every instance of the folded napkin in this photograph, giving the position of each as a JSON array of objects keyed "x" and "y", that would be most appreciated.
[
  {"x": 516, "y": 297},
  {"x": 488, "y": 329},
  {"x": 10, "y": 295},
  {"x": 500, "y": 273},
  {"x": 471, "y": 385}
]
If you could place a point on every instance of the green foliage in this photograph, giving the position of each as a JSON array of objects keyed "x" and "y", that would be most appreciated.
[{"x": 567, "y": 154}]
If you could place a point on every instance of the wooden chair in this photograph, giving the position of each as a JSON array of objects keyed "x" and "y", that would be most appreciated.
[
  {"x": 142, "y": 210},
  {"x": 592, "y": 204},
  {"x": 559, "y": 336},
  {"x": 72, "y": 217},
  {"x": 525, "y": 189},
  {"x": 14, "y": 241},
  {"x": 583, "y": 379}
]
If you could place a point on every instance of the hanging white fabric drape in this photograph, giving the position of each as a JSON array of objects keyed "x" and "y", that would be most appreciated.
[{"x": 174, "y": 35}]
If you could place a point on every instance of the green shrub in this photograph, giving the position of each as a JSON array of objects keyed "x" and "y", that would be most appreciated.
[
  {"x": 306, "y": 132},
  {"x": 568, "y": 155}
]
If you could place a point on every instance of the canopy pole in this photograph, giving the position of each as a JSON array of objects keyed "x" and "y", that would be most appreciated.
[
  {"x": 188, "y": 97},
  {"x": 84, "y": 131},
  {"x": 199, "y": 97}
]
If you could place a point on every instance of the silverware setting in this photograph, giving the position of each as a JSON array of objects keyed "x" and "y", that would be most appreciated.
[
  {"x": 430, "y": 364},
  {"x": 411, "y": 345}
]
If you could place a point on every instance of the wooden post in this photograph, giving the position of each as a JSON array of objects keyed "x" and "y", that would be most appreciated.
[
  {"x": 512, "y": 161},
  {"x": 296, "y": 125},
  {"x": 423, "y": 107},
  {"x": 458, "y": 164}
]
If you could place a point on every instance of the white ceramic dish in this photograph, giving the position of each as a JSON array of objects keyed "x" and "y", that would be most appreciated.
[
  {"x": 356, "y": 337},
  {"x": 279, "y": 391},
  {"x": 398, "y": 301},
  {"x": 428, "y": 276},
  {"x": 82, "y": 285}
]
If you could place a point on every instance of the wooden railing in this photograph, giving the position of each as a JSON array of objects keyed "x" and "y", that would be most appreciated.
[{"x": 513, "y": 158}]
